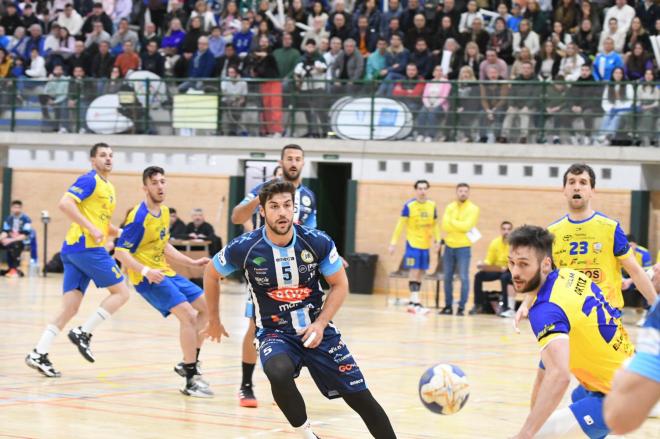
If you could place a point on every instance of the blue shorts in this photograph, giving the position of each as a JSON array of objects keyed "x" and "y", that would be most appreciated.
[
  {"x": 416, "y": 258},
  {"x": 587, "y": 408},
  {"x": 172, "y": 291},
  {"x": 93, "y": 264},
  {"x": 331, "y": 364}
]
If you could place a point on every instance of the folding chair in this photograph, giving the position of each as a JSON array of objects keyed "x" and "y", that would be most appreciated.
[{"x": 401, "y": 273}]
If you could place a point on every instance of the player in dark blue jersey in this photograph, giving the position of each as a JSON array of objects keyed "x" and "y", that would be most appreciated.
[
  {"x": 292, "y": 161},
  {"x": 283, "y": 264}
]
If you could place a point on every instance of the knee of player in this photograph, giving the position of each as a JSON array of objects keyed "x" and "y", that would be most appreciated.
[
  {"x": 279, "y": 369},
  {"x": 616, "y": 419}
]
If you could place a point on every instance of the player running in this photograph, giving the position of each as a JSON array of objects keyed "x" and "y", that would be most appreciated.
[
  {"x": 283, "y": 263},
  {"x": 89, "y": 204},
  {"x": 292, "y": 161},
  {"x": 579, "y": 333},
  {"x": 420, "y": 218},
  {"x": 143, "y": 248}
]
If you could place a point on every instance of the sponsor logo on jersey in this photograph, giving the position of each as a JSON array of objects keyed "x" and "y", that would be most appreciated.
[
  {"x": 262, "y": 280},
  {"x": 347, "y": 367},
  {"x": 306, "y": 201},
  {"x": 547, "y": 330},
  {"x": 338, "y": 358},
  {"x": 290, "y": 295},
  {"x": 221, "y": 257},
  {"x": 353, "y": 383},
  {"x": 333, "y": 255},
  {"x": 163, "y": 232},
  {"x": 598, "y": 247},
  {"x": 306, "y": 256},
  {"x": 258, "y": 261},
  {"x": 334, "y": 349},
  {"x": 286, "y": 259}
]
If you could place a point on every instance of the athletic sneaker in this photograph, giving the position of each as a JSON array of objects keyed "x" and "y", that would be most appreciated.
[
  {"x": 508, "y": 313},
  {"x": 417, "y": 308},
  {"x": 246, "y": 397},
  {"x": 182, "y": 371},
  {"x": 460, "y": 311},
  {"x": 12, "y": 273},
  {"x": 197, "y": 387},
  {"x": 641, "y": 321},
  {"x": 81, "y": 339},
  {"x": 41, "y": 363},
  {"x": 446, "y": 311}
]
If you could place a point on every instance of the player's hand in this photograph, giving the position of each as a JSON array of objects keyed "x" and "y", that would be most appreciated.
[
  {"x": 522, "y": 313},
  {"x": 627, "y": 283},
  {"x": 316, "y": 328},
  {"x": 214, "y": 330},
  {"x": 155, "y": 276},
  {"x": 200, "y": 262},
  {"x": 391, "y": 249},
  {"x": 97, "y": 235}
]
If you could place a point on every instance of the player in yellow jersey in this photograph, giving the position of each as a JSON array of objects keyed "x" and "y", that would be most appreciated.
[
  {"x": 143, "y": 249},
  {"x": 420, "y": 219},
  {"x": 594, "y": 244},
  {"x": 89, "y": 203},
  {"x": 578, "y": 332}
]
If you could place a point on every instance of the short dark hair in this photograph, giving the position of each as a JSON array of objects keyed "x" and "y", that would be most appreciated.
[
  {"x": 96, "y": 147},
  {"x": 579, "y": 168},
  {"x": 291, "y": 146},
  {"x": 535, "y": 237},
  {"x": 275, "y": 187},
  {"x": 418, "y": 182},
  {"x": 150, "y": 172},
  {"x": 17, "y": 203},
  {"x": 172, "y": 210},
  {"x": 277, "y": 168},
  {"x": 311, "y": 41},
  {"x": 462, "y": 184},
  {"x": 505, "y": 222}
]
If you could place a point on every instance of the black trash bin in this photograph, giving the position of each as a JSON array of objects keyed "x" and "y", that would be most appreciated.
[{"x": 361, "y": 272}]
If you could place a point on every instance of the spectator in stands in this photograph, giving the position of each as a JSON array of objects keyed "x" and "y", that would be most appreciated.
[
  {"x": 263, "y": 30},
  {"x": 18, "y": 43},
  {"x": 114, "y": 84},
  {"x": 64, "y": 48},
  {"x": 318, "y": 11},
  {"x": 243, "y": 39},
  {"x": 365, "y": 37},
  {"x": 494, "y": 95},
  {"x": 234, "y": 98},
  {"x": 476, "y": 34},
  {"x": 189, "y": 43},
  {"x": 217, "y": 42},
  {"x": 205, "y": 15},
  {"x": 613, "y": 32},
  {"x": 296, "y": 33},
  {"x": 493, "y": 61},
  {"x": 522, "y": 104},
  {"x": 149, "y": 34},
  {"x": 70, "y": 19},
  {"x": 453, "y": 51},
  {"x": 617, "y": 101},
  {"x": 37, "y": 68},
  {"x": 567, "y": 13},
  {"x": 559, "y": 37},
  {"x": 472, "y": 58},
  {"x": 590, "y": 13},
  {"x": 265, "y": 67},
  {"x": 35, "y": 40},
  {"x": 393, "y": 29},
  {"x": 648, "y": 12},
  {"x": 122, "y": 10},
  {"x": 422, "y": 59},
  {"x": 331, "y": 55},
  {"x": 128, "y": 60},
  {"x": 377, "y": 61},
  {"x": 176, "y": 11},
  {"x": 515, "y": 18},
  {"x": 467, "y": 104},
  {"x": 397, "y": 60},
  {"x": 445, "y": 31},
  {"x": 556, "y": 120},
  {"x": 81, "y": 94},
  {"x": 98, "y": 15},
  {"x": 623, "y": 13},
  {"x": 339, "y": 9},
  {"x": 339, "y": 28},
  {"x": 103, "y": 61},
  {"x": 607, "y": 61},
  {"x": 502, "y": 41},
  {"x": 648, "y": 96},
  {"x": 467, "y": 17},
  {"x": 449, "y": 9},
  {"x": 369, "y": 10},
  {"x": 55, "y": 94},
  {"x": 177, "y": 227},
  {"x": 637, "y": 34},
  {"x": 570, "y": 64},
  {"x": 6, "y": 63},
  {"x": 286, "y": 57},
  {"x": 16, "y": 230},
  {"x": 230, "y": 58},
  {"x": 435, "y": 100},
  {"x": 79, "y": 58},
  {"x": 494, "y": 267},
  {"x": 317, "y": 31},
  {"x": 122, "y": 36},
  {"x": 410, "y": 89},
  {"x": 348, "y": 68},
  {"x": 11, "y": 19},
  {"x": 96, "y": 36},
  {"x": 29, "y": 17},
  {"x": 393, "y": 11},
  {"x": 157, "y": 10},
  {"x": 547, "y": 61},
  {"x": 527, "y": 38},
  {"x": 637, "y": 62},
  {"x": 583, "y": 104},
  {"x": 52, "y": 40},
  {"x": 200, "y": 67},
  {"x": 525, "y": 55},
  {"x": 199, "y": 229},
  {"x": 309, "y": 74},
  {"x": 586, "y": 39},
  {"x": 173, "y": 38},
  {"x": 152, "y": 61},
  {"x": 503, "y": 13},
  {"x": 408, "y": 15},
  {"x": 417, "y": 31}
]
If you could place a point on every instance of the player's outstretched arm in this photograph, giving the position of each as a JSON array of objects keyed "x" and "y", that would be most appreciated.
[
  {"x": 243, "y": 211},
  {"x": 70, "y": 208},
  {"x": 175, "y": 255},
  {"x": 555, "y": 381},
  {"x": 629, "y": 403},
  {"x": 214, "y": 329},
  {"x": 640, "y": 279}
]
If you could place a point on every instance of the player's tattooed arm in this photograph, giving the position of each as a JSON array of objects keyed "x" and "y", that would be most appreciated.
[{"x": 214, "y": 328}]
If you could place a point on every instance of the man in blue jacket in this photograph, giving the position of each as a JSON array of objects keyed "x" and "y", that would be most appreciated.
[
  {"x": 15, "y": 230},
  {"x": 607, "y": 61},
  {"x": 201, "y": 66}
]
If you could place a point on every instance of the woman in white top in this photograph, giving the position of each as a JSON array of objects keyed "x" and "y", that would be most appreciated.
[
  {"x": 65, "y": 44},
  {"x": 526, "y": 38},
  {"x": 37, "y": 68},
  {"x": 617, "y": 101},
  {"x": 560, "y": 37},
  {"x": 465, "y": 25},
  {"x": 571, "y": 63},
  {"x": 648, "y": 96},
  {"x": 203, "y": 11}
]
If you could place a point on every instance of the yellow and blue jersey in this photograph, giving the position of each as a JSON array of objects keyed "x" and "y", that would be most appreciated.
[
  {"x": 421, "y": 222},
  {"x": 146, "y": 235},
  {"x": 595, "y": 247},
  {"x": 643, "y": 257},
  {"x": 96, "y": 201},
  {"x": 569, "y": 305}
]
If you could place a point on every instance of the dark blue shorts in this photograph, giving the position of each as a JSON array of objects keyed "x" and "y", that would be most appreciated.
[
  {"x": 93, "y": 264},
  {"x": 587, "y": 408},
  {"x": 331, "y": 364},
  {"x": 172, "y": 291},
  {"x": 416, "y": 258}
]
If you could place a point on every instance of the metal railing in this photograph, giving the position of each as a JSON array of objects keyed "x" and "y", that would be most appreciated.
[{"x": 488, "y": 111}]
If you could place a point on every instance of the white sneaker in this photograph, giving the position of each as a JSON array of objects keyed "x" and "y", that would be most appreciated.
[
  {"x": 197, "y": 387},
  {"x": 509, "y": 313},
  {"x": 62, "y": 130},
  {"x": 641, "y": 321},
  {"x": 419, "y": 138},
  {"x": 417, "y": 308},
  {"x": 428, "y": 139}
]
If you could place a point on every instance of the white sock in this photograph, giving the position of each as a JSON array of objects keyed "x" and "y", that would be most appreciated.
[
  {"x": 414, "y": 296},
  {"x": 99, "y": 316},
  {"x": 305, "y": 431},
  {"x": 561, "y": 424},
  {"x": 46, "y": 339}
]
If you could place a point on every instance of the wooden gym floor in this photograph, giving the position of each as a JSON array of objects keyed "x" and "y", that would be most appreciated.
[{"x": 132, "y": 392}]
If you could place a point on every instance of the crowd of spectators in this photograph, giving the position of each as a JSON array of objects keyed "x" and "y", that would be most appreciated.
[{"x": 352, "y": 44}]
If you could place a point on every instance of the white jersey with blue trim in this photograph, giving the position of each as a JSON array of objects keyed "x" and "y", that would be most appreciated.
[
  {"x": 284, "y": 282},
  {"x": 304, "y": 204}
]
